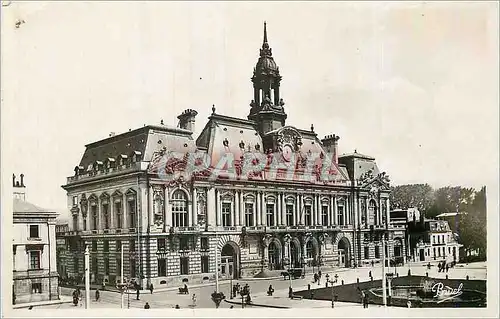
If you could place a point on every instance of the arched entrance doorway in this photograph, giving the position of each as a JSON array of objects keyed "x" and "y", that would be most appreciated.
[
  {"x": 398, "y": 251},
  {"x": 274, "y": 255},
  {"x": 295, "y": 255},
  {"x": 311, "y": 253},
  {"x": 229, "y": 266},
  {"x": 344, "y": 253}
]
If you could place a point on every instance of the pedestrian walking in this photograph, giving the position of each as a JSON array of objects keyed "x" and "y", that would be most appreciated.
[
  {"x": 151, "y": 288},
  {"x": 408, "y": 303},
  {"x": 138, "y": 292},
  {"x": 97, "y": 295},
  {"x": 370, "y": 274},
  {"x": 194, "y": 300},
  {"x": 447, "y": 268},
  {"x": 146, "y": 306},
  {"x": 177, "y": 307}
]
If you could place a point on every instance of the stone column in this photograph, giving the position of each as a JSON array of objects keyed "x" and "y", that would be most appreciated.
[
  {"x": 123, "y": 201},
  {"x": 167, "y": 210},
  {"x": 278, "y": 210},
  {"x": 257, "y": 209},
  {"x": 366, "y": 211},
  {"x": 211, "y": 206},
  {"x": 242, "y": 209},
  {"x": 319, "y": 222},
  {"x": 151, "y": 207},
  {"x": 296, "y": 211},
  {"x": 335, "y": 210},
  {"x": 111, "y": 211},
  {"x": 254, "y": 215},
  {"x": 387, "y": 213},
  {"x": 195, "y": 207},
  {"x": 263, "y": 217},
  {"x": 380, "y": 211},
  {"x": 347, "y": 209},
  {"x": 236, "y": 210},
  {"x": 283, "y": 210},
  {"x": 218, "y": 207}
]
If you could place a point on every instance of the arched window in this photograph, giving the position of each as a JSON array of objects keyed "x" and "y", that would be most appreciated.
[
  {"x": 179, "y": 209},
  {"x": 372, "y": 213}
]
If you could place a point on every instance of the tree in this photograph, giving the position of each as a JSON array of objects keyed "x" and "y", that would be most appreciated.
[{"x": 420, "y": 196}]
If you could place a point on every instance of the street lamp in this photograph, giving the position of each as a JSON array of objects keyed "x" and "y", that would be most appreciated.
[
  {"x": 331, "y": 282},
  {"x": 87, "y": 277},
  {"x": 389, "y": 277}
]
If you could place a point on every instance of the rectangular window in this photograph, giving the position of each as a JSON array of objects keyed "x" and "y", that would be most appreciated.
[
  {"x": 366, "y": 237},
  {"x": 131, "y": 212},
  {"x": 377, "y": 252},
  {"x": 76, "y": 266},
  {"x": 36, "y": 288},
  {"x": 34, "y": 231},
  {"x": 249, "y": 214},
  {"x": 324, "y": 215},
  {"x": 93, "y": 210},
  {"x": 94, "y": 265},
  {"x": 132, "y": 270},
  {"x": 94, "y": 245},
  {"x": 226, "y": 214},
  {"x": 184, "y": 265},
  {"x": 162, "y": 267},
  {"x": 204, "y": 243},
  {"x": 118, "y": 245},
  {"x": 340, "y": 215},
  {"x": 289, "y": 215},
  {"x": 367, "y": 252},
  {"x": 106, "y": 246},
  {"x": 75, "y": 222},
  {"x": 118, "y": 266},
  {"x": 118, "y": 211},
  {"x": 84, "y": 224},
  {"x": 308, "y": 215},
  {"x": 35, "y": 260},
  {"x": 161, "y": 244},
  {"x": 270, "y": 214},
  {"x": 131, "y": 245},
  {"x": 204, "y": 264},
  {"x": 184, "y": 243},
  {"x": 105, "y": 213},
  {"x": 106, "y": 266},
  {"x": 75, "y": 200}
]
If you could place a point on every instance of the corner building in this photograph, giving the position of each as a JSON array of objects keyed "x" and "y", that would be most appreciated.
[{"x": 170, "y": 228}]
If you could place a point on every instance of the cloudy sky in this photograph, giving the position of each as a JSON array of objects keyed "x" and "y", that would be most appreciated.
[{"x": 413, "y": 84}]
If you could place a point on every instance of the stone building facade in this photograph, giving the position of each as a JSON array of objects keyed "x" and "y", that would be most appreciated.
[
  {"x": 35, "y": 276},
  {"x": 173, "y": 203}
]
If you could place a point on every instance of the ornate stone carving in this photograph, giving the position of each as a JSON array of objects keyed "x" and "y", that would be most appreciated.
[
  {"x": 368, "y": 175},
  {"x": 288, "y": 135},
  {"x": 84, "y": 205},
  {"x": 384, "y": 177}
]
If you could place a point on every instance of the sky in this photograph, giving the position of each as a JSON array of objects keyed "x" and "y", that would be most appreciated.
[{"x": 413, "y": 84}]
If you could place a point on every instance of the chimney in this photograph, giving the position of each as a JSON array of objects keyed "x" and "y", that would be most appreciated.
[
  {"x": 19, "y": 187},
  {"x": 187, "y": 119},
  {"x": 330, "y": 142}
]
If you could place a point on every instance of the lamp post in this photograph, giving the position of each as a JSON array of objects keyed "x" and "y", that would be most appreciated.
[
  {"x": 121, "y": 279},
  {"x": 389, "y": 277},
  {"x": 87, "y": 277},
  {"x": 216, "y": 266},
  {"x": 384, "y": 292}
]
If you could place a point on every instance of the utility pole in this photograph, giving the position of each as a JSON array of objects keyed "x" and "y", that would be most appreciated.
[
  {"x": 87, "y": 277},
  {"x": 384, "y": 290},
  {"x": 122, "y": 281}
]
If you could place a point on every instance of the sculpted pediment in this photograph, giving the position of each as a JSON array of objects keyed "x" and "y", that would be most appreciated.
[{"x": 375, "y": 185}]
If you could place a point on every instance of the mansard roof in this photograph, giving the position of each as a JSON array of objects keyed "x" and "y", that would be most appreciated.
[{"x": 143, "y": 141}]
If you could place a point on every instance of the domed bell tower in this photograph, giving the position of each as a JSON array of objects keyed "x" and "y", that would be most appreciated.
[{"x": 267, "y": 108}]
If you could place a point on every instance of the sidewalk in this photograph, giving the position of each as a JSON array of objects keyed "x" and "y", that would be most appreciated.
[{"x": 62, "y": 299}]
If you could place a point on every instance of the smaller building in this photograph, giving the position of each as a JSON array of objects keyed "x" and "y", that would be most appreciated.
[
  {"x": 433, "y": 240},
  {"x": 35, "y": 276}
]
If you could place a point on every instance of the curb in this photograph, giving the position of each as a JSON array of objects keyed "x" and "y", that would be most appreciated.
[
  {"x": 27, "y": 305},
  {"x": 258, "y": 305}
]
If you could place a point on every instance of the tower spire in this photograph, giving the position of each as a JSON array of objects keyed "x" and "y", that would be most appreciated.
[{"x": 265, "y": 44}]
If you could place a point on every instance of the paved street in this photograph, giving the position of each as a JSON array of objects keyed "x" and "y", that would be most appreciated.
[{"x": 168, "y": 299}]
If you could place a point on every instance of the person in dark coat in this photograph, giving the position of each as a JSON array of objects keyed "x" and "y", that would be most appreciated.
[
  {"x": 97, "y": 295},
  {"x": 146, "y": 306},
  {"x": 138, "y": 291},
  {"x": 151, "y": 288}
]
